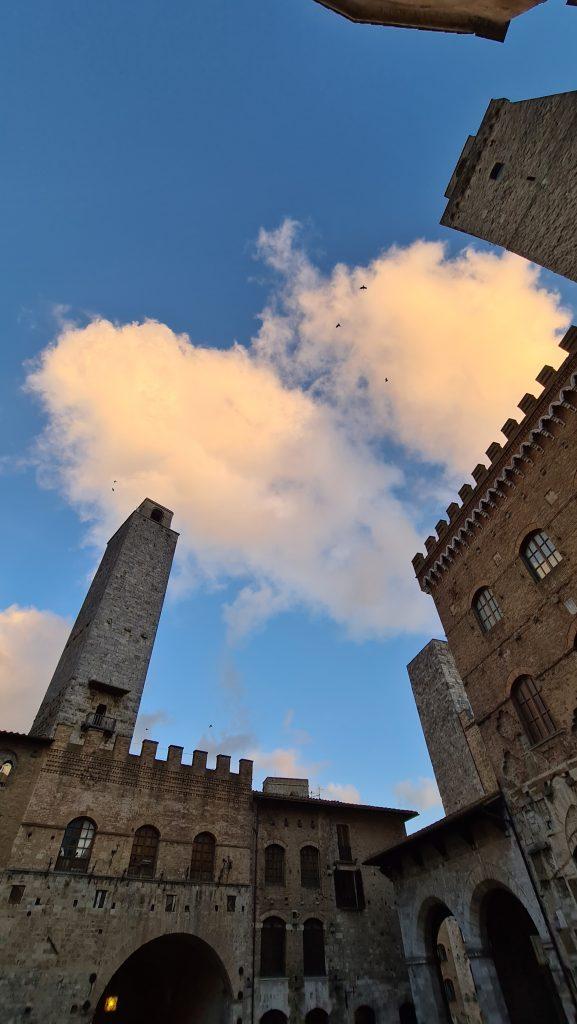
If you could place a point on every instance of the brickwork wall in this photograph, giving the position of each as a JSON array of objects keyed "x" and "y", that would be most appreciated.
[
  {"x": 531, "y": 207},
  {"x": 27, "y": 756},
  {"x": 113, "y": 636},
  {"x": 537, "y": 470},
  {"x": 364, "y": 958}
]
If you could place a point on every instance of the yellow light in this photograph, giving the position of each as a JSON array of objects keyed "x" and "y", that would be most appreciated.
[{"x": 110, "y": 1004}]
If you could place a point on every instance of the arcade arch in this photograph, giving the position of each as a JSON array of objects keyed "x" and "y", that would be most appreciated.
[{"x": 173, "y": 979}]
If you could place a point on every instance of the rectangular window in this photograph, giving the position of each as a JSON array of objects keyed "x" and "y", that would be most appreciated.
[
  {"x": 170, "y": 904},
  {"x": 99, "y": 899},
  {"x": 231, "y": 904},
  {"x": 349, "y": 892},
  {"x": 344, "y": 842},
  {"x": 16, "y": 893}
]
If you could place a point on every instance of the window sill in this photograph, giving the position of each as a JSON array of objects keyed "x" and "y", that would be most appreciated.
[{"x": 548, "y": 739}]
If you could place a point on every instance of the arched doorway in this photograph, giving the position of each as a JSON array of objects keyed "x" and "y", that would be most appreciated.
[
  {"x": 317, "y": 1016},
  {"x": 456, "y": 991},
  {"x": 512, "y": 937},
  {"x": 273, "y": 1017},
  {"x": 407, "y": 1013},
  {"x": 175, "y": 979}
]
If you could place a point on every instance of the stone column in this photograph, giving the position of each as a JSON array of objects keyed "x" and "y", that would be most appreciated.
[
  {"x": 425, "y": 986},
  {"x": 487, "y": 985}
]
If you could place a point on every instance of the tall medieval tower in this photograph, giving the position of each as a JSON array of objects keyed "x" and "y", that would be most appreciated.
[{"x": 100, "y": 676}]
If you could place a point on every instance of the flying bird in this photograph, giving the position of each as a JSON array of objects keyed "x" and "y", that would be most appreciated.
[
  {"x": 338, "y": 325},
  {"x": 113, "y": 483},
  {"x": 363, "y": 288}
]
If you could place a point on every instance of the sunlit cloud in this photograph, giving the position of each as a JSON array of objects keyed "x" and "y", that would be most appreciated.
[
  {"x": 286, "y": 461},
  {"x": 31, "y": 642},
  {"x": 419, "y": 794}
]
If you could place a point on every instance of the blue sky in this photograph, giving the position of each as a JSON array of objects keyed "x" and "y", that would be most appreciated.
[{"x": 145, "y": 146}]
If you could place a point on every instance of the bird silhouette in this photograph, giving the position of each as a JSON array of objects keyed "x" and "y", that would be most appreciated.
[
  {"x": 338, "y": 325},
  {"x": 386, "y": 380},
  {"x": 363, "y": 288},
  {"x": 113, "y": 483}
]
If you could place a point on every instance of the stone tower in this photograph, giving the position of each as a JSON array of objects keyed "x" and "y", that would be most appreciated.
[
  {"x": 461, "y": 766},
  {"x": 99, "y": 679},
  {"x": 515, "y": 183}
]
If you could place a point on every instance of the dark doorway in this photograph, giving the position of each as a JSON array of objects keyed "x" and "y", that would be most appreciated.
[
  {"x": 407, "y": 1014},
  {"x": 175, "y": 979},
  {"x": 317, "y": 1016},
  {"x": 527, "y": 985},
  {"x": 273, "y": 1017}
]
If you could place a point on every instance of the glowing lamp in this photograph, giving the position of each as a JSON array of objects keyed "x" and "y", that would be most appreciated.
[{"x": 110, "y": 1004}]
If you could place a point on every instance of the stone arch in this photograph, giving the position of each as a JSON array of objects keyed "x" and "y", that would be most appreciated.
[
  {"x": 479, "y": 887},
  {"x": 510, "y": 934},
  {"x": 175, "y": 976}
]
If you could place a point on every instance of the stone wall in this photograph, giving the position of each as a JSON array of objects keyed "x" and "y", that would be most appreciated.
[{"x": 516, "y": 181}]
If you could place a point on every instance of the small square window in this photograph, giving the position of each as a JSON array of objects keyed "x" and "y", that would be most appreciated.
[
  {"x": 170, "y": 905},
  {"x": 16, "y": 893},
  {"x": 231, "y": 904}
]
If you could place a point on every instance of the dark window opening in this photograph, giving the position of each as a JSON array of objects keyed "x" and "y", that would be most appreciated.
[
  {"x": 486, "y": 609},
  {"x": 317, "y": 1016},
  {"x": 540, "y": 554},
  {"x": 272, "y": 948},
  {"x": 76, "y": 846},
  {"x": 441, "y": 953},
  {"x": 202, "y": 860},
  {"x": 170, "y": 904},
  {"x": 314, "y": 949},
  {"x": 496, "y": 171},
  {"x": 344, "y": 843},
  {"x": 349, "y": 892},
  {"x": 231, "y": 904},
  {"x": 532, "y": 710},
  {"x": 364, "y": 1015},
  {"x": 274, "y": 865},
  {"x": 156, "y": 514},
  {"x": 99, "y": 899},
  {"x": 16, "y": 893},
  {"x": 449, "y": 990},
  {"x": 144, "y": 852},
  {"x": 310, "y": 868}
]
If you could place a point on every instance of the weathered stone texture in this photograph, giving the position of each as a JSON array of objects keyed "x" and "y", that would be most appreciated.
[
  {"x": 516, "y": 182},
  {"x": 440, "y": 697},
  {"x": 112, "y": 639}
]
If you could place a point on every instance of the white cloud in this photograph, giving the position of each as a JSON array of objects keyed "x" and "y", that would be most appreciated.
[
  {"x": 335, "y": 791},
  {"x": 145, "y": 725},
  {"x": 31, "y": 642},
  {"x": 272, "y": 456},
  {"x": 266, "y": 486},
  {"x": 418, "y": 794},
  {"x": 434, "y": 354}
]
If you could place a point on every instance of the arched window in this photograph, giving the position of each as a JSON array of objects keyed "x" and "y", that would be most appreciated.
[
  {"x": 441, "y": 953},
  {"x": 6, "y": 767},
  {"x": 486, "y": 609},
  {"x": 317, "y": 1016},
  {"x": 202, "y": 860},
  {"x": 310, "y": 870},
  {"x": 364, "y": 1015},
  {"x": 156, "y": 514},
  {"x": 144, "y": 851},
  {"x": 540, "y": 554},
  {"x": 449, "y": 990},
  {"x": 314, "y": 948},
  {"x": 272, "y": 948},
  {"x": 532, "y": 710},
  {"x": 76, "y": 846},
  {"x": 274, "y": 865}
]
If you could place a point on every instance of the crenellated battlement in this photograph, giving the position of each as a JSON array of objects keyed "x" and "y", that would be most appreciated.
[
  {"x": 95, "y": 752},
  {"x": 542, "y": 416}
]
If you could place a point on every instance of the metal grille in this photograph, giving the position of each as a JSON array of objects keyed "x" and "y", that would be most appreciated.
[
  {"x": 540, "y": 554},
  {"x": 76, "y": 845},
  {"x": 274, "y": 865},
  {"x": 202, "y": 860},
  {"x": 144, "y": 851},
  {"x": 313, "y": 948},
  {"x": 532, "y": 709},
  {"x": 487, "y": 609},
  {"x": 310, "y": 871},
  {"x": 272, "y": 948}
]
